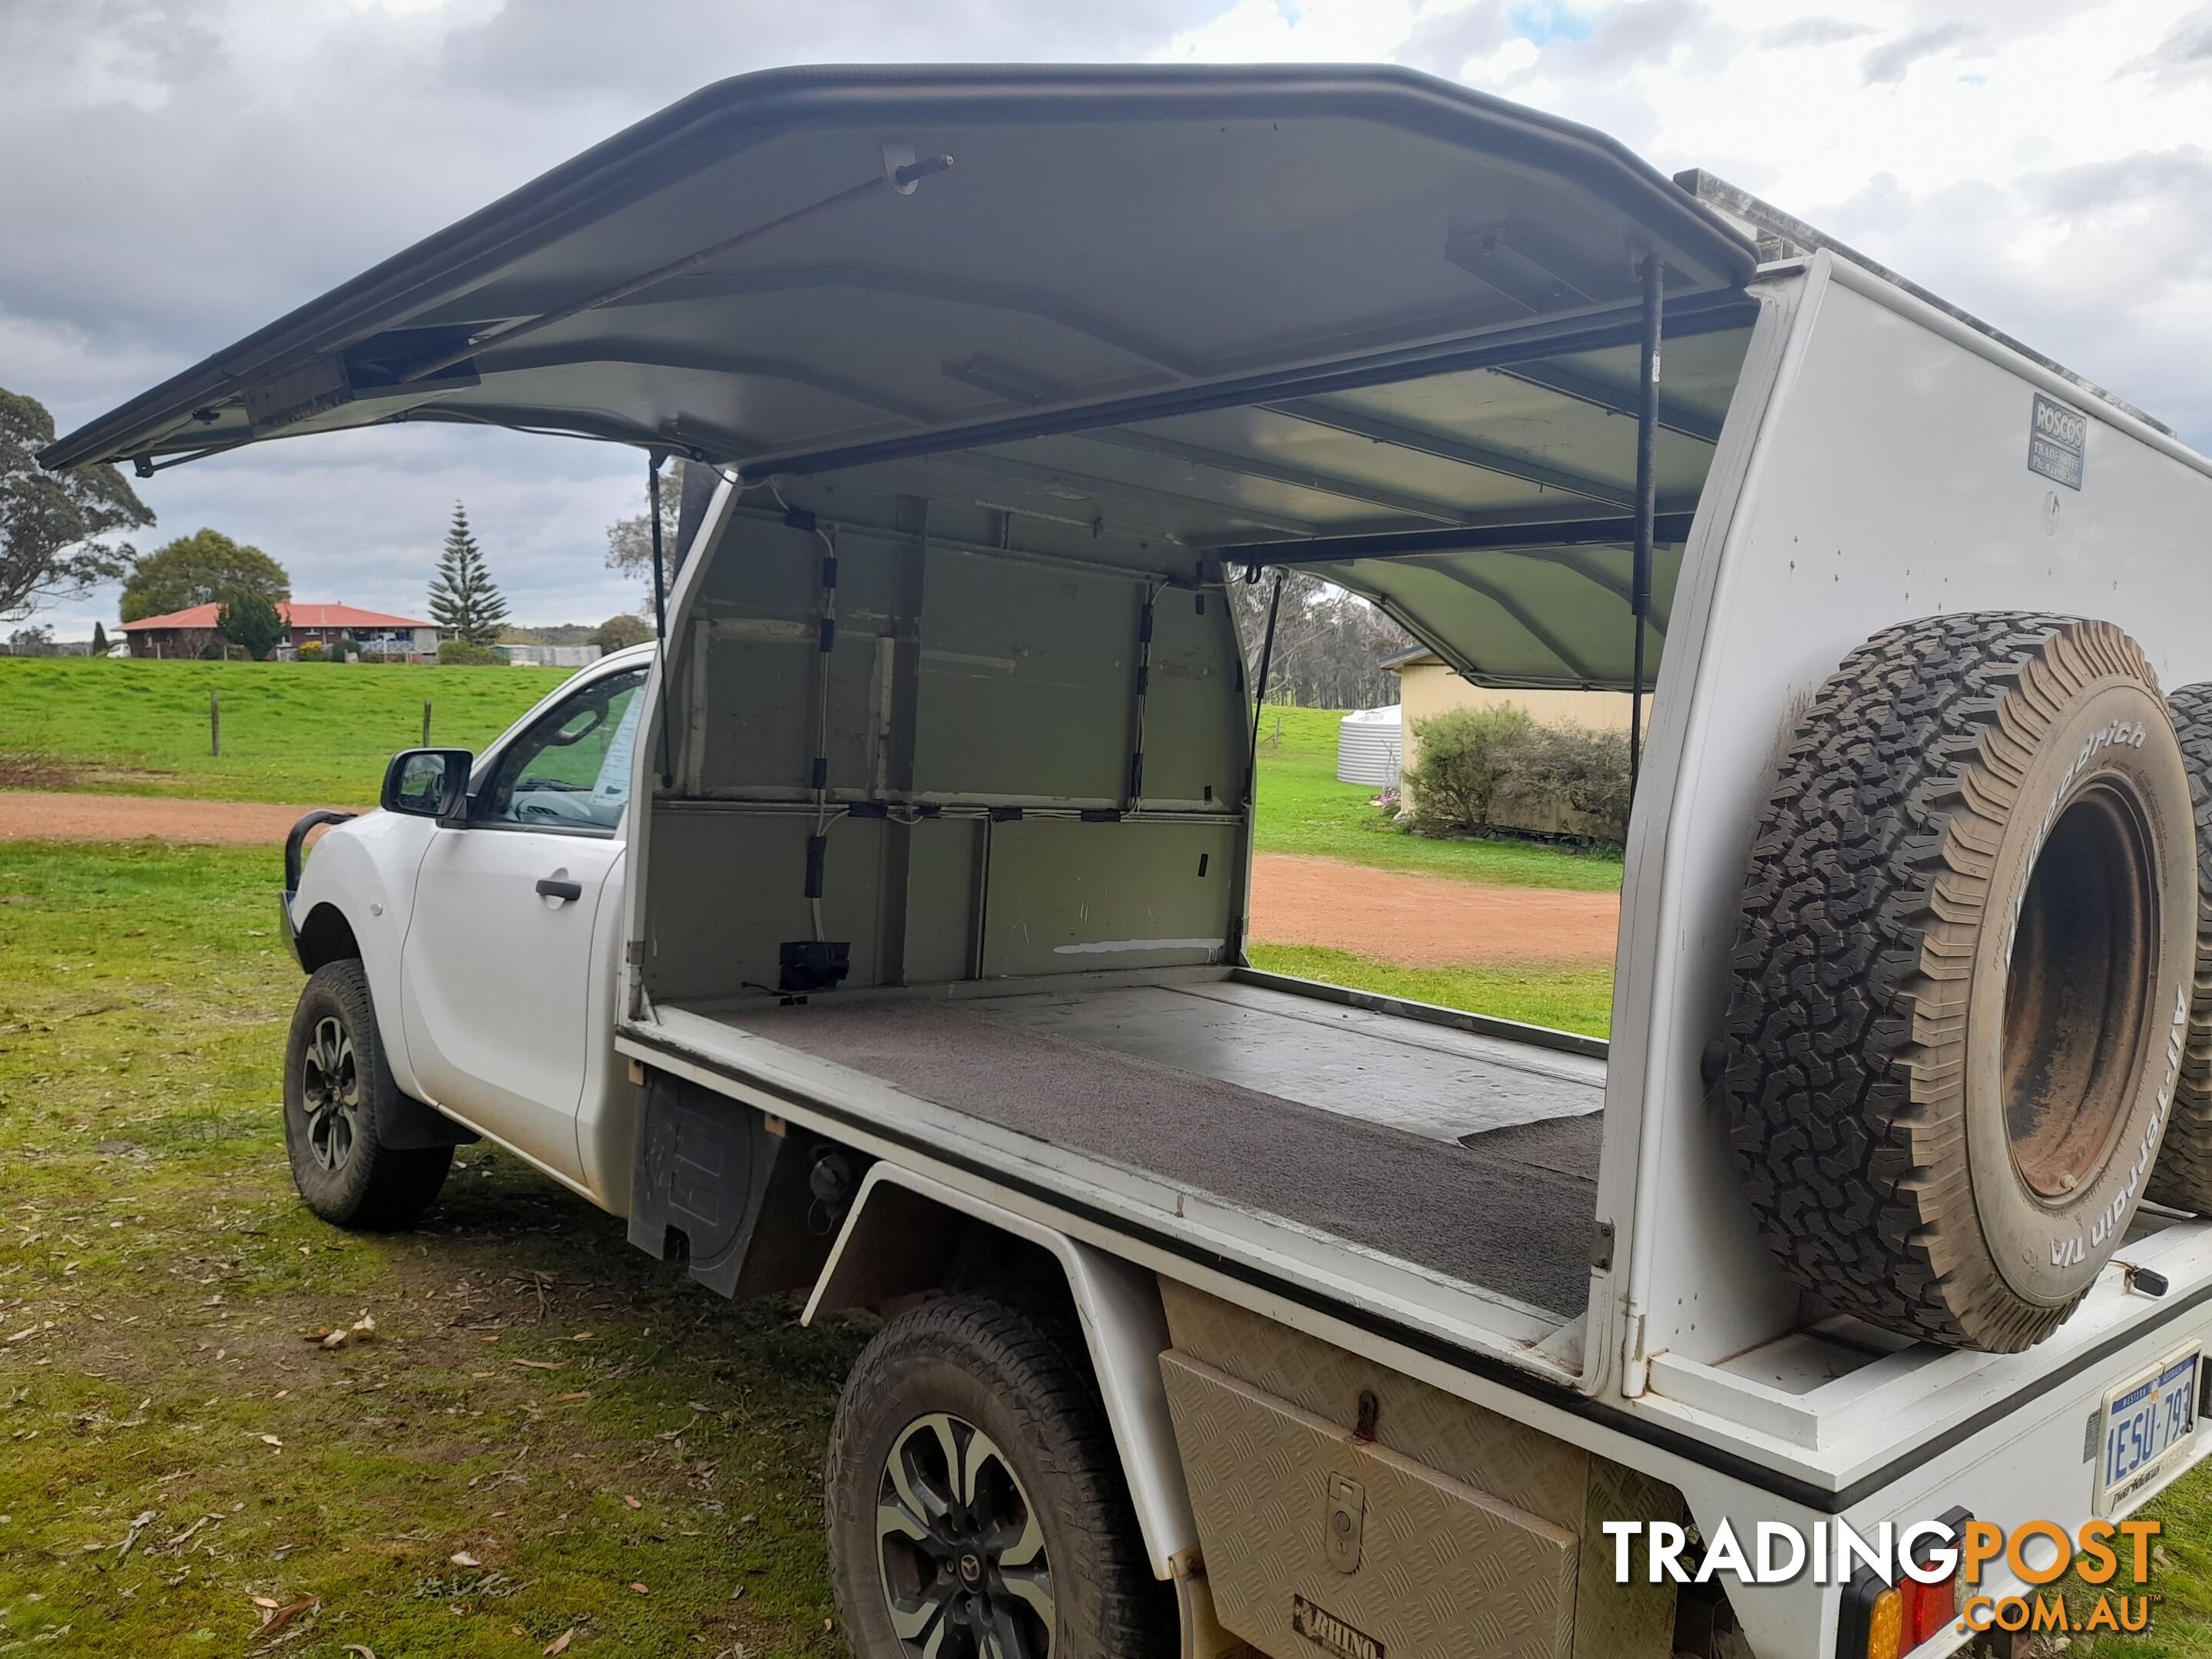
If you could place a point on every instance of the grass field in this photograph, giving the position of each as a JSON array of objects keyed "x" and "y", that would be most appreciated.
[
  {"x": 309, "y": 734},
  {"x": 614, "y": 1450},
  {"x": 314, "y": 734},
  {"x": 1568, "y": 998}
]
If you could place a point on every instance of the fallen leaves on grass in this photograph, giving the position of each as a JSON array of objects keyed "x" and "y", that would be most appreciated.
[
  {"x": 543, "y": 1364},
  {"x": 144, "y": 1519},
  {"x": 632, "y": 1502},
  {"x": 275, "y": 1618},
  {"x": 639, "y": 1587},
  {"x": 184, "y": 1536},
  {"x": 559, "y": 1645},
  {"x": 463, "y": 1558},
  {"x": 361, "y": 1330}
]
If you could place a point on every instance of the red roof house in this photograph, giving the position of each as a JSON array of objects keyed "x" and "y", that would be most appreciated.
[{"x": 187, "y": 633}]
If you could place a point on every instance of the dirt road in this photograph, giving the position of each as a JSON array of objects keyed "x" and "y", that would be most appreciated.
[
  {"x": 1426, "y": 921},
  {"x": 41, "y": 815},
  {"x": 1422, "y": 922}
]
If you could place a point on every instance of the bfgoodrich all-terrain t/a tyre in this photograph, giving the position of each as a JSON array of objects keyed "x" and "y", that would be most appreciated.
[
  {"x": 976, "y": 1506},
  {"x": 1962, "y": 975},
  {"x": 338, "y": 1090}
]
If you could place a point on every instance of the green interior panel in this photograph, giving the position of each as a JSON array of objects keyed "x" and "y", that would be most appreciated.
[
  {"x": 1027, "y": 683},
  {"x": 943, "y": 861},
  {"x": 1196, "y": 736},
  {"x": 1070, "y": 898},
  {"x": 716, "y": 932}
]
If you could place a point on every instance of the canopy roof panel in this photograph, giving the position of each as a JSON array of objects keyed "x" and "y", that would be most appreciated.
[
  {"x": 1100, "y": 231},
  {"x": 1555, "y": 617}
]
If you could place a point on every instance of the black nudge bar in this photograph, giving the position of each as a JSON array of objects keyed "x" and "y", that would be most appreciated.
[{"x": 297, "y": 840}]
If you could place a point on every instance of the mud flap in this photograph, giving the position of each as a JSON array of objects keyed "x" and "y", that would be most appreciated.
[
  {"x": 725, "y": 1188},
  {"x": 409, "y": 1125}
]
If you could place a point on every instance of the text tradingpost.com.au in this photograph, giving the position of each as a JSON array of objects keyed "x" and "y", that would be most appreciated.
[{"x": 2034, "y": 1553}]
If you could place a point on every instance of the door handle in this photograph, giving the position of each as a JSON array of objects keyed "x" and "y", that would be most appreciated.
[{"x": 561, "y": 890}]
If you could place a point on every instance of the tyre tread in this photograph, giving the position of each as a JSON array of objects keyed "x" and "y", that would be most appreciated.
[
  {"x": 393, "y": 1187},
  {"x": 1849, "y": 999}
]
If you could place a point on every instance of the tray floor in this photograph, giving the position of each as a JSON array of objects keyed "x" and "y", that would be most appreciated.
[{"x": 1473, "y": 1157}]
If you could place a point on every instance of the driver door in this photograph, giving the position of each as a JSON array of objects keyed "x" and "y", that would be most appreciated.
[{"x": 496, "y": 971}]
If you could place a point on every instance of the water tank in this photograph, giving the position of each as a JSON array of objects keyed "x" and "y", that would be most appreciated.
[{"x": 1368, "y": 746}]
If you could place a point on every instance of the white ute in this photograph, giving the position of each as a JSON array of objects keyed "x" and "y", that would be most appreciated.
[{"x": 878, "y": 935}]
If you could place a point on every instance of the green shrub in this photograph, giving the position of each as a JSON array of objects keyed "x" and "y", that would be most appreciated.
[
  {"x": 459, "y": 654},
  {"x": 311, "y": 651},
  {"x": 1496, "y": 768},
  {"x": 1468, "y": 757},
  {"x": 1578, "y": 770}
]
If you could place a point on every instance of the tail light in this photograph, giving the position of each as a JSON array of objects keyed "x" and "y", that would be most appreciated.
[
  {"x": 1884, "y": 1627},
  {"x": 1928, "y": 1609},
  {"x": 1882, "y": 1620}
]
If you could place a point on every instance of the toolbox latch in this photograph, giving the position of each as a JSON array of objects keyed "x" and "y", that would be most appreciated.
[{"x": 1347, "y": 1523}]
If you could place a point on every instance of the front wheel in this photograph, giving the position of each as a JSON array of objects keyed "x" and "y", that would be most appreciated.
[
  {"x": 976, "y": 1506},
  {"x": 337, "y": 1088}
]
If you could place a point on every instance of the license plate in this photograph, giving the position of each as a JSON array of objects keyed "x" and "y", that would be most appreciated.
[{"x": 2146, "y": 1428}]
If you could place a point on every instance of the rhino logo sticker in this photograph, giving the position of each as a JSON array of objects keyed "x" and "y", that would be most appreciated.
[{"x": 1324, "y": 1629}]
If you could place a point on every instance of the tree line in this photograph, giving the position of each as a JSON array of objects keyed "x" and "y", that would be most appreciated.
[
  {"x": 63, "y": 534},
  {"x": 1329, "y": 644}
]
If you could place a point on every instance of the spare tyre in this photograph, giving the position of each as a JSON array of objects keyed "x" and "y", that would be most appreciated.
[
  {"x": 2183, "y": 1177},
  {"x": 1961, "y": 974}
]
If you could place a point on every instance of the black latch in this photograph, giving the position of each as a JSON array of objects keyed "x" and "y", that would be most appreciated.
[{"x": 813, "y": 964}]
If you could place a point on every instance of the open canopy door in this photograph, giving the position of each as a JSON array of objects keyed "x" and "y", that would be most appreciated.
[{"x": 1205, "y": 306}]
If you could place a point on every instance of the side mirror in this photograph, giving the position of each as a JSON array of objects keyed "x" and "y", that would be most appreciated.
[{"x": 428, "y": 783}]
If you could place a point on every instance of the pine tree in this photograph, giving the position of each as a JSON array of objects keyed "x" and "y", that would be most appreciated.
[
  {"x": 99, "y": 640},
  {"x": 462, "y": 596}
]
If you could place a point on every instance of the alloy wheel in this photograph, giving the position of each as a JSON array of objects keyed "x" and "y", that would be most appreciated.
[
  {"x": 960, "y": 1547},
  {"x": 330, "y": 1094}
]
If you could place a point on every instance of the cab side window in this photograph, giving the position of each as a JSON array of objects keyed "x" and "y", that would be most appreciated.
[{"x": 571, "y": 769}]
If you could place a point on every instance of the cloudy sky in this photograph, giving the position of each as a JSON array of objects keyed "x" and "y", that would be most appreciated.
[{"x": 180, "y": 173}]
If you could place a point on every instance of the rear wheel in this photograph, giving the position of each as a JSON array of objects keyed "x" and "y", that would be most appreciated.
[
  {"x": 338, "y": 1089},
  {"x": 976, "y": 1506}
]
